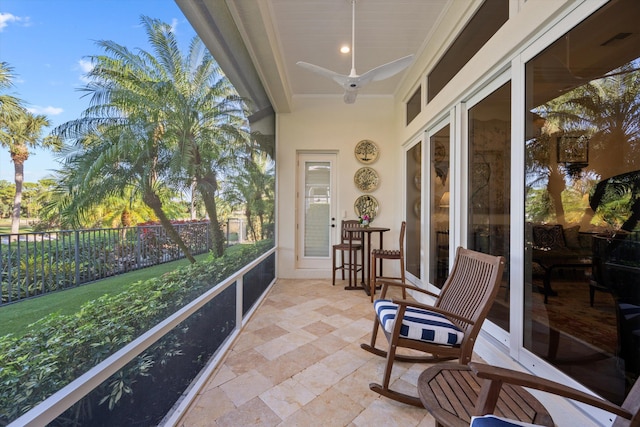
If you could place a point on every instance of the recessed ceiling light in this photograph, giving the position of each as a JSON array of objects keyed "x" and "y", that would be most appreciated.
[{"x": 345, "y": 49}]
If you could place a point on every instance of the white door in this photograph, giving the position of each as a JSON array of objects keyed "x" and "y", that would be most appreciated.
[{"x": 316, "y": 217}]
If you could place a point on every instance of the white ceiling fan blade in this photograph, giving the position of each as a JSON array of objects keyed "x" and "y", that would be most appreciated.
[
  {"x": 385, "y": 71},
  {"x": 341, "y": 79}
]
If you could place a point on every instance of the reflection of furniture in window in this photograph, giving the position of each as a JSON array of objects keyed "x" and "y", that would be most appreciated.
[
  {"x": 350, "y": 243},
  {"x": 453, "y": 393},
  {"x": 442, "y": 257},
  {"x": 555, "y": 247},
  {"x": 446, "y": 330},
  {"x": 616, "y": 263},
  {"x": 389, "y": 254}
]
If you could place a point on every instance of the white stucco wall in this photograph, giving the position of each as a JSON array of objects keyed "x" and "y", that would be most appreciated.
[{"x": 327, "y": 124}]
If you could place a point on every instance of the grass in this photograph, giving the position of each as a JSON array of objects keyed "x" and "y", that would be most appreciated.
[
  {"x": 16, "y": 318},
  {"x": 5, "y": 226}
]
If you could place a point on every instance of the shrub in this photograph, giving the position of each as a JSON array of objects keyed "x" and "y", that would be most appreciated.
[{"x": 59, "y": 348}]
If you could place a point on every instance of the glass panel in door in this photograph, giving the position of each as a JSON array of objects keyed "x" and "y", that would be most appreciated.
[
  {"x": 439, "y": 206},
  {"x": 489, "y": 186},
  {"x": 582, "y": 206},
  {"x": 414, "y": 200},
  {"x": 317, "y": 202}
]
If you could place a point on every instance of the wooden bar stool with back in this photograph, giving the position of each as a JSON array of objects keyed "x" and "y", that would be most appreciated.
[
  {"x": 349, "y": 246},
  {"x": 390, "y": 254}
]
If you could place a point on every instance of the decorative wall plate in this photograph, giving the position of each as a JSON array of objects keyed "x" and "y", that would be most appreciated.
[
  {"x": 366, "y": 151},
  {"x": 366, "y": 179},
  {"x": 416, "y": 208},
  {"x": 366, "y": 204}
]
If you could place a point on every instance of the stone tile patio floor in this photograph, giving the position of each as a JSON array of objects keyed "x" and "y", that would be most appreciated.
[{"x": 298, "y": 362}]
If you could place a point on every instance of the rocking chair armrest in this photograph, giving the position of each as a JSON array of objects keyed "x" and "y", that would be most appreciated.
[
  {"x": 448, "y": 314},
  {"x": 496, "y": 376},
  {"x": 406, "y": 286}
]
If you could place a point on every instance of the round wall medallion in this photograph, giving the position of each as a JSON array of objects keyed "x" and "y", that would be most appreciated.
[
  {"x": 366, "y": 179},
  {"x": 366, "y": 151},
  {"x": 366, "y": 204}
]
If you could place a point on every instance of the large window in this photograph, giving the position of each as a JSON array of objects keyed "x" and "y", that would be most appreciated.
[
  {"x": 582, "y": 206},
  {"x": 481, "y": 27},
  {"x": 489, "y": 185}
]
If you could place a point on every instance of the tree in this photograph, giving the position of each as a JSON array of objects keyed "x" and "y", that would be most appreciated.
[
  {"x": 205, "y": 120},
  {"x": 254, "y": 189},
  {"x": 23, "y": 133},
  {"x": 607, "y": 111},
  {"x": 10, "y": 106},
  {"x": 157, "y": 123}
]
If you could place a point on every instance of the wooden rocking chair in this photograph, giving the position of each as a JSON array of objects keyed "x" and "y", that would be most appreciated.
[{"x": 448, "y": 329}]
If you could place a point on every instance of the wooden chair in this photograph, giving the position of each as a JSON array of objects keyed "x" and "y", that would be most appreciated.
[
  {"x": 499, "y": 391},
  {"x": 446, "y": 330},
  {"x": 392, "y": 254},
  {"x": 348, "y": 263}
]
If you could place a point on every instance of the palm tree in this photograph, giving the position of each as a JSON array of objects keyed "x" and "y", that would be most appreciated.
[
  {"x": 607, "y": 111},
  {"x": 254, "y": 189},
  {"x": 205, "y": 120},
  {"x": 158, "y": 122},
  {"x": 25, "y": 132},
  {"x": 10, "y": 106}
]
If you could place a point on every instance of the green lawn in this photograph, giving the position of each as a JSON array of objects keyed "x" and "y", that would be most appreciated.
[
  {"x": 15, "y": 318},
  {"x": 5, "y": 226}
]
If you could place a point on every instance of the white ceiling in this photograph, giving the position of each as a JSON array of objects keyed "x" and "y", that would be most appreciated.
[
  {"x": 278, "y": 33},
  {"x": 314, "y": 30}
]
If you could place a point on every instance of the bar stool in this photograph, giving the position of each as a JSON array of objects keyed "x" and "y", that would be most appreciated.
[
  {"x": 350, "y": 263},
  {"x": 392, "y": 254}
]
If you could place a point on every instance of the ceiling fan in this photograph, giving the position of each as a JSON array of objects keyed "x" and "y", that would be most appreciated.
[{"x": 352, "y": 82}]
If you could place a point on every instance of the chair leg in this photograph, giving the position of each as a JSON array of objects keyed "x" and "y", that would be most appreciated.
[
  {"x": 372, "y": 277},
  {"x": 371, "y": 348},
  {"x": 355, "y": 267},
  {"x": 333, "y": 259},
  {"x": 362, "y": 272},
  {"x": 384, "y": 389}
]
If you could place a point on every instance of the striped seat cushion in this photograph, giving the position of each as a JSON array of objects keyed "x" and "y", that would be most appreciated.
[
  {"x": 419, "y": 324},
  {"x": 493, "y": 421}
]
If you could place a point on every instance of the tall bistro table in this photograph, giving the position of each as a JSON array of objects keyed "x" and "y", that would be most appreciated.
[{"x": 366, "y": 249}]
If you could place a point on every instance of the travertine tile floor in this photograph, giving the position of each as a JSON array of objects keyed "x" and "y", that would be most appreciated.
[{"x": 299, "y": 363}]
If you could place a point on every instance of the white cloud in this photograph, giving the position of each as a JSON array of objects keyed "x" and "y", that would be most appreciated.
[
  {"x": 85, "y": 67},
  {"x": 7, "y": 18},
  {"x": 174, "y": 25},
  {"x": 48, "y": 111}
]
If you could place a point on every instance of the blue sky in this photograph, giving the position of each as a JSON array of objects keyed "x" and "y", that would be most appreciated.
[{"x": 47, "y": 42}]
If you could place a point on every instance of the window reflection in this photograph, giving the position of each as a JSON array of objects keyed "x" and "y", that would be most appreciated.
[
  {"x": 413, "y": 233},
  {"x": 439, "y": 207},
  {"x": 489, "y": 186},
  {"x": 582, "y": 207}
]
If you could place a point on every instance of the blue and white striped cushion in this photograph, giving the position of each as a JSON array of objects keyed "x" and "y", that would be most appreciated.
[
  {"x": 419, "y": 324},
  {"x": 493, "y": 421}
]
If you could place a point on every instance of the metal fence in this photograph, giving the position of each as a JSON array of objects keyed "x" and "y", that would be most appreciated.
[{"x": 33, "y": 264}]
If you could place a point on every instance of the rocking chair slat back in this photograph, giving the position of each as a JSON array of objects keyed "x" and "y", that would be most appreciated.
[{"x": 473, "y": 282}]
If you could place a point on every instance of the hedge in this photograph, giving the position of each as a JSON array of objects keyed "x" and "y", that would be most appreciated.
[{"x": 60, "y": 348}]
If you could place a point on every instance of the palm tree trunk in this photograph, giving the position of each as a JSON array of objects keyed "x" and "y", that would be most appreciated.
[
  {"x": 153, "y": 201},
  {"x": 18, "y": 164},
  {"x": 206, "y": 186}
]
